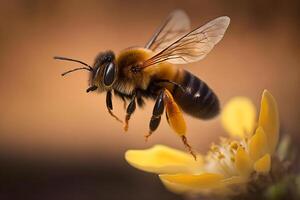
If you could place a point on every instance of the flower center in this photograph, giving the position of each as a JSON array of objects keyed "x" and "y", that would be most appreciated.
[{"x": 221, "y": 158}]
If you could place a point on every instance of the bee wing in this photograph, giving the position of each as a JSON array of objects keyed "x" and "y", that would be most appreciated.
[
  {"x": 193, "y": 46},
  {"x": 174, "y": 27}
]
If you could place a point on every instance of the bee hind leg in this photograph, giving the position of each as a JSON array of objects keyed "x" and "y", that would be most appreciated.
[
  {"x": 156, "y": 114},
  {"x": 130, "y": 109},
  {"x": 176, "y": 121},
  {"x": 110, "y": 106}
]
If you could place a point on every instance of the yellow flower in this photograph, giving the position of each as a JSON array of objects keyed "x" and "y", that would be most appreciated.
[{"x": 227, "y": 167}]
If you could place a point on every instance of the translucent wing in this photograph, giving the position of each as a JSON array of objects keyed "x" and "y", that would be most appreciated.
[
  {"x": 193, "y": 46},
  {"x": 174, "y": 27}
]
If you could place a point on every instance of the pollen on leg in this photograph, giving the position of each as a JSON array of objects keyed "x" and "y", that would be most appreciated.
[{"x": 188, "y": 147}]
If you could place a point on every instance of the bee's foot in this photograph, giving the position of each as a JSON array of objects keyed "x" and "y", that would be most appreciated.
[
  {"x": 188, "y": 147},
  {"x": 126, "y": 123},
  {"x": 125, "y": 127},
  {"x": 147, "y": 136}
]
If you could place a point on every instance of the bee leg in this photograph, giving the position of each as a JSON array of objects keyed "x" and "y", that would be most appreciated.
[
  {"x": 92, "y": 88},
  {"x": 110, "y": 106},
  {"x": 130, "y": 109},
  {"x": 175, "y": 119},
  {"x": 124, "y": 102},
  {"x": 140, "y": 100},
  {"x": 156, "y": 114}
]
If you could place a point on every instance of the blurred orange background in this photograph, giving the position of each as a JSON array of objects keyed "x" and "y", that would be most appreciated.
[{"x": 48, "y": 117}]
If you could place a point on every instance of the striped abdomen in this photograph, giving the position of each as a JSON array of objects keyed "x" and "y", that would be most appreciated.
[{"x": 198, "y": 99}]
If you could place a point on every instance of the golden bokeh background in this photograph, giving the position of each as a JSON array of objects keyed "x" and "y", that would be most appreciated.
[{"x": 49, "y": 118}]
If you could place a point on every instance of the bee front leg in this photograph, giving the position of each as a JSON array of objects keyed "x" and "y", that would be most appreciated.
[
  {"x": 110, "y": 106},
  {"x": 92, "y": 88},
  {"x": 130, "y": 109},
  {"x": 156, "y": 114}
]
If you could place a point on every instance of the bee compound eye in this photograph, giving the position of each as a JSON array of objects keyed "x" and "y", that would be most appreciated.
[{"x": 109, "y": 74}]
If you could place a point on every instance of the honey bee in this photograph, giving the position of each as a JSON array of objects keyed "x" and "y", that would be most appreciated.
[{"x": 138, "y": 73}]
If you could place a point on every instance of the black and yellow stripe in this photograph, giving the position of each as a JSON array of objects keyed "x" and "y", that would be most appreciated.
[{"x": 197, "y": 99}]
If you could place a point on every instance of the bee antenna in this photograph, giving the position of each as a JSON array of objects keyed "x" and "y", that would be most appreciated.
[
  {"x": 72, "y": 70},
  {"x": 78, "y": 61}
]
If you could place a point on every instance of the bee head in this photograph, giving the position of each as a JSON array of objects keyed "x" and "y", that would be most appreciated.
[
  {"x": 104, "y": 70},
  {"x": 102, "y": 74}
]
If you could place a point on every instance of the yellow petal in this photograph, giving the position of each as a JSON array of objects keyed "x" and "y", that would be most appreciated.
[
  {"x": 258, "y": 144},
  {"x": 162, "y": 159},
  {"x": 243, "y": 163},
  {"x": 238, "y": 116},
  {"x": 234, "y": 180},
  {"x": 269, "y": 119},
  {"x": 263, "y": 165},
  {"x": 176, "y": 188},
  {"x": 206, "y": 183},
  {"x": 205, "y": 180}
]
